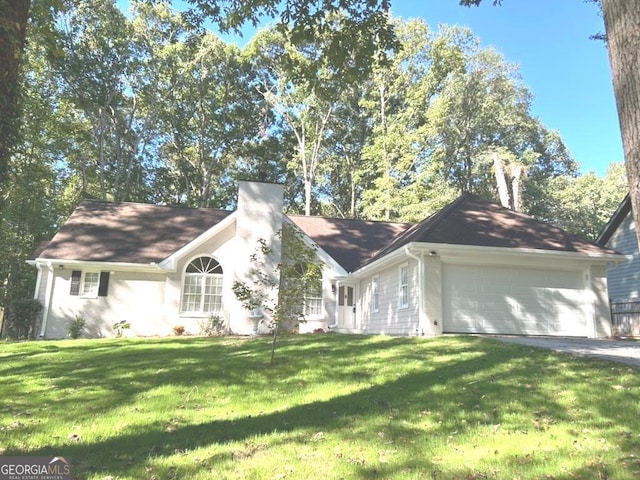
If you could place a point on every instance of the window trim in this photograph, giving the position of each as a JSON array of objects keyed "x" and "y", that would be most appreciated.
[
  {"x": 318, "y": 295},
  {"x": 203, "y": 292},
  {"x": 84, "y": 283},
  {"x": 403, "y": 288},
  {"x": 375, "y": 294},
  {"x": 78, "y": 284}
]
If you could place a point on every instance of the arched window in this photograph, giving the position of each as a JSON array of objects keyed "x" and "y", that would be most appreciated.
[{"x": 202, "y": 289}]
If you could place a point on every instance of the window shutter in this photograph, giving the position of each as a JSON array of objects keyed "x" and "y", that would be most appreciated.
[
  {"x": 75, "y": 282},
  {"x": 103, "y": 288}
]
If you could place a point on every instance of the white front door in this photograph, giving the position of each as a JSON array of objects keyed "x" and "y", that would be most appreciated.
[{"x": 346, "y": 306}]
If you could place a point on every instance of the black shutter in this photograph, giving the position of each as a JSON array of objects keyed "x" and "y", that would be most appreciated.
[
  {"x": 103, "y": 288},
  {"x": 75, "y": 282}
]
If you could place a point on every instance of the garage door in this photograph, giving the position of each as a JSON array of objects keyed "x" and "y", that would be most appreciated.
[{"x": 479, "y": 299}]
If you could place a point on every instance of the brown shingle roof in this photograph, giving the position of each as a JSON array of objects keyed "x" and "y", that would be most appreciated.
[
  {"x": 471, "y": 220},
  {"x": 128, "y": 232},
  {"x": 349, "y": 242},
  {"x": 142, "y": 233}
]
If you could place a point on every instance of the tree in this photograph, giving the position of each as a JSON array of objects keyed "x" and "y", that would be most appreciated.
[
  {"x": 622, "y": 33},
  {"x": 583, "y": 205},
  {"x": 304, "y": 107},
  {"x": 14, "y": 15},
  {"x": 285, "y": 291},
  {"x": 196, "y": 93},
  {"x": 622, "y": 27}
]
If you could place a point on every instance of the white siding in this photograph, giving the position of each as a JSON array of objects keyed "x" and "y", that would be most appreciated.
[
  {"x": 390, "y": 319},
  {"x": 624, "y": 279},
  {"x": 135, "y": 297}
]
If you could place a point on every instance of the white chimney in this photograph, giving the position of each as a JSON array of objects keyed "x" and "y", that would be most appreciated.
[{"x": 258, "y": 216}]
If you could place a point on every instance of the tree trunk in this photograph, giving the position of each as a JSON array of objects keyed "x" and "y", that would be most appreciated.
[
  {"x": 517, "y": 172},
  {"x": 622, "y": 24},
  {"x": 503, "y": 190},
  {"x": 14, "y": 15}
]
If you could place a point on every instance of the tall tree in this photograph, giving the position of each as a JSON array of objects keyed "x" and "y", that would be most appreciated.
[
  {"x": 622, "y": 33},
  {"x": 14, "y": 15},
  {"x": 206, "y": 114},
  {"x": 622, "y": 26},
  {"x": 305, "y": 108}
]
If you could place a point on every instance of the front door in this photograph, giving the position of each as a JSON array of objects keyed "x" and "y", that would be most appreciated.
[{"x": 346, "y": 306}]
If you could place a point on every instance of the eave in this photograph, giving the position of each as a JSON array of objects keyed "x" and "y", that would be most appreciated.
[
  {"x": 112, "y": 266},
  {"x": 490, "y": 256}
]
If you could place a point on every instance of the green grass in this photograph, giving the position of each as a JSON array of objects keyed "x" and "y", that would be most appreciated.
[{"x": 332, "y": 407}]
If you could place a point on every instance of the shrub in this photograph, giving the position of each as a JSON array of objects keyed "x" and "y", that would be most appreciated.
[
  {"x": 212, "y": 326},
  {"x": 178, "y": 330},
  {"x": 21, "y": 316},
  {"x": 76, "y": 327}
]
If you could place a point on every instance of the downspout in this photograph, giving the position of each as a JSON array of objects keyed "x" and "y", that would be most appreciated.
[
  {"x": 334, "y": 325},
  {"x": 47, "y": 299},
  {"x": 421, "y": 312}
]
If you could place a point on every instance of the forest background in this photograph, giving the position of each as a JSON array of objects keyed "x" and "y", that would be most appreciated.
[{"x": 151, "y": 107}]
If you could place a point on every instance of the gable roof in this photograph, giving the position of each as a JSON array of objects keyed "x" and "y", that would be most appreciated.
[
  {"x": 471, "y": 220},
  {"x": 128, "y": 232},
  {"x": 349, "y": 242},
  {"x": 614, "y": 222},
  {"x": 143, "y": 233}
]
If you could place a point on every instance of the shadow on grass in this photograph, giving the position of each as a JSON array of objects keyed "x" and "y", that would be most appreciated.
[
  {"x": 464, "y": 383},
  {"x": 465, "y": 391}
]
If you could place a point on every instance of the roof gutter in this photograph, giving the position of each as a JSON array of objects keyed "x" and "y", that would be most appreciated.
[
  {"x": 421, "y": 273},
  {"x": 48, "y": 296},
  {"x": 121, "y": 266}
]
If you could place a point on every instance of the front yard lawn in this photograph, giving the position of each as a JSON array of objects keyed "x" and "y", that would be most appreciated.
[{"x": 332, "y": 407}]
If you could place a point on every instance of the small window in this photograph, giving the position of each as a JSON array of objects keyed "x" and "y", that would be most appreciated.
[
  {"x": 313, "y": 299},
  {"x": 375, "y": 295},
  {"x": 89, "y": 284},
  {"x": 403, "y": 300}
]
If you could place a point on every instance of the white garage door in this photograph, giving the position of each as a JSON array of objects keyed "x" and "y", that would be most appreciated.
[{"x": 479, "y": 299}]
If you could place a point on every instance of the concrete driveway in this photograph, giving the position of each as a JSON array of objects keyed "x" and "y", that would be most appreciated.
[{"x": 623, "y": 351}]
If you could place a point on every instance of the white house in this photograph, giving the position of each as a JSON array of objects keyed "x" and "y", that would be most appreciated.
[{"x": 473, "y": 267}]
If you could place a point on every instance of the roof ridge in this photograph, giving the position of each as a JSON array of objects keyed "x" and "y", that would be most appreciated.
[
  {"x": 320, "y": 217},
  {"x": 155, "y": 205}
]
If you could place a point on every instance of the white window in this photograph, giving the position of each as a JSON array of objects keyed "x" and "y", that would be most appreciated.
[
  {"x": 202, "y": 289},
  {"x": 403, "y": 294},
  {"x": 301, "y": 292},
  {"x": 90, "y": 284},
  {"x": 313, "y": 299},
  {"x": 375, "y": 295}
]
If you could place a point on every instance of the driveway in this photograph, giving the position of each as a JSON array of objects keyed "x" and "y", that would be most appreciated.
[{"x": 623, "y": 351}]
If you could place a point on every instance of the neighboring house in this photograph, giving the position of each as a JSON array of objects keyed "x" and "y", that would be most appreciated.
[
  {"x": 620, "y": 235},
  {"x": 473, "y": 267}
]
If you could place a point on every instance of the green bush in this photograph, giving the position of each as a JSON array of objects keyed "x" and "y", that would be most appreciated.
[
  {"x": 76, "y": 327},
  {"x": 212, "y": 326},
  {"x": 21, "y": 316}
]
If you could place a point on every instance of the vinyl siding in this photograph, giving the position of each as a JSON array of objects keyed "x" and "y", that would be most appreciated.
[
  {"x": 624, "y": 279},
  {"x": 135, "y": 297},
  {"x": 391, "y": 319}
]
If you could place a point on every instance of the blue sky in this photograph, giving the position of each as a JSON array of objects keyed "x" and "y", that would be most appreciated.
[{"x": 567, "y": 72}]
